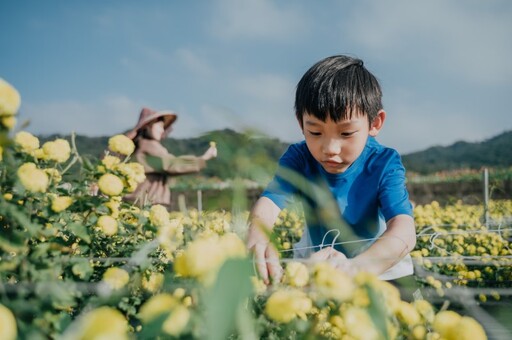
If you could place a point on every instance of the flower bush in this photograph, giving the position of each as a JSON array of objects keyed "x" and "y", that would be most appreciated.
[{"x": 78, "y": 262}]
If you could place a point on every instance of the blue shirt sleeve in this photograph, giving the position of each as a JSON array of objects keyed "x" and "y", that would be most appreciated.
[
  {"x": 281, "y": 189},
  {"x": 393, "y": 194}
]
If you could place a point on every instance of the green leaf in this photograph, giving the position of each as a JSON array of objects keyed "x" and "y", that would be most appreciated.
[
  {"x": 153, "y": 328},
  {"x": 82, "y": 268},
  {"x": 81, "y": 231},
  {"x": 223, "y": 300},
  {"x": 377, "y": 311}
]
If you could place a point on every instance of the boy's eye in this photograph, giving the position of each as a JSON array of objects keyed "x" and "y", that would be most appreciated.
[
  {"x": 314, "y": 133},
  {"x": 347, "y": 134}
]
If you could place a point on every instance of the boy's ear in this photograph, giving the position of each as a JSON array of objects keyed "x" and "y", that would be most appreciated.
[{"x": 377, "y": 123}]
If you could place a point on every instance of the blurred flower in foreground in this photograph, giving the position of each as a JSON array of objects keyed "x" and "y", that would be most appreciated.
[
  {"x": 116, "y": 278},
  {"x": 102, "y": 323},
  {"x": 285, "y": 305},
  {"x": 159, "y": 304},
  {"x": 10, "y": 99},
  {"x": 8, "y": 330}
]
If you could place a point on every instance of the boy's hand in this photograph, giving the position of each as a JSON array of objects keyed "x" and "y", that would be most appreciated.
[
  {"x": 265, "y": 256},
  {"x": 335, "y": 258},
  {"x": 267, "y": 262}
]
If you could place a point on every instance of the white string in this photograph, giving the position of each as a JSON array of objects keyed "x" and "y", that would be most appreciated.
[{"x": 322, "y": 245}]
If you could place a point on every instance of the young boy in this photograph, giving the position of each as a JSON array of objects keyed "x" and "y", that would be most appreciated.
[{"x": 338, "y": 106}]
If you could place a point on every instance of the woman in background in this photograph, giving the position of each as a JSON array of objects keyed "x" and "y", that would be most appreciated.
[{"x": 159, "y": 164}]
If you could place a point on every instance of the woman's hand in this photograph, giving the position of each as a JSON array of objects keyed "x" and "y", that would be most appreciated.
[{"x": 210, "y": 153}]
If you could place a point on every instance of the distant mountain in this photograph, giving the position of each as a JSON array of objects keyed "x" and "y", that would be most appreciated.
[{"x": 494, "y": 152}]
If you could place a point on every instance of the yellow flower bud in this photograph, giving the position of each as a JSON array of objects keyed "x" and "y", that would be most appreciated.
[
  {"x": 26, "y": 142},
  {"x": 61, "y": 203},
  {"x": 32, "y": 178},
  {"x": 9, "y": 122},
  {"x": 116, "y": 278},
  {"x": 121, "y": 144},
  {"x": 110, "y": 185},
  {"x": 10, "y": 99},
  {"x": 108, "y": 225}
]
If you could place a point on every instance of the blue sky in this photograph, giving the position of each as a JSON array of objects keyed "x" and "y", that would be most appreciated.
[{"x": 89, "y": 66}]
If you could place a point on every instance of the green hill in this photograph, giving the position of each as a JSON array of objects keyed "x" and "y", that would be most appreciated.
[{"x": 495, "y": 152}]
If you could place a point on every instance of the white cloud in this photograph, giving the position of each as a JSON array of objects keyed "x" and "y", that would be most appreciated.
[
  {"x": 463, "y": 39},
  {"x": 258, "y": 19}
]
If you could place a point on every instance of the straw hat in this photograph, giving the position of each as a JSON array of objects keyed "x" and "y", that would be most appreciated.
[{"x": 148, "y": 116}]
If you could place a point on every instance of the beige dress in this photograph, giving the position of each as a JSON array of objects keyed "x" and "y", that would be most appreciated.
[{"x": 160, "y": 166}]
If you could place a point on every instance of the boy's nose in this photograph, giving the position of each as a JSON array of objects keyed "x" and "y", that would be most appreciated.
[{"x": 332, "y": 147}]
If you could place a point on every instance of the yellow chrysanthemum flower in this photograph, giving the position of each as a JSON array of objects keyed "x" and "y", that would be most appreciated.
[
  {"x": 61, "y": 203},
  {"x": 153, "y": 283},
  {"x": 159, "y": 304},
  {"x": 8, "y": 196},
  {"x": 408, "y": 314},
  {"x": 107, "y": 224},
  {"x": 332, "y": 283},
  {"x": 54, "y": 175},
  {"x": 116, "y": 278},
  {"x": 470, "y": 329},
  {"x": 27, "y": 142},
  {"x": 102, "y": 323},
  {"x": 358, "y": 324},
  {"x": 445, "y": 323},
  {"x": 58, "y": 150},
  {"x": 201, "y": 259},
  {"x": 110, "y": 185},
  {"x": 158, "y": 215},
  {"x": 113, "y": 205},
  {"x": 285, "y": 305},
  {"x": 32, "y": 178},
  {"x": 121, "y": 144},
  {"x": 296, "y": 274},
  {"x": 8, "y": 329},
  {"x": 10, "y": 99},
  {"x": 425, "y": 309},
  {"x": 9, "y": 122},
  {"x": 110, "y": 162},
  {"x": 259, "y": 287},
  {"x": 232, "y": 246}
]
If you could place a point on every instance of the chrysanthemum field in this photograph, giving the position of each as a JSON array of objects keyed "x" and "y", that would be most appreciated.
[{"x": 76, "y": 262}]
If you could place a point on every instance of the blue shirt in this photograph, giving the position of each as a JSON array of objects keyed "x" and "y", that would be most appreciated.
[{"x": 362, "y": 199}]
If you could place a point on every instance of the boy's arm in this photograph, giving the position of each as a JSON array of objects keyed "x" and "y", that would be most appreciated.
[
  {"x": 263, "y": 216},
  {"x": 397, "y": 241}
]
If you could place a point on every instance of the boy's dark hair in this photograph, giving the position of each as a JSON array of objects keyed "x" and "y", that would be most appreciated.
[{"x": 338, "y": 87}]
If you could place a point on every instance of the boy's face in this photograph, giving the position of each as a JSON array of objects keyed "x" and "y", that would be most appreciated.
[{"x": 336, "y": 145}]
